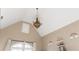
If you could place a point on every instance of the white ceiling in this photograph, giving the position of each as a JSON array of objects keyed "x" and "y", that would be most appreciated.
[{"x": 51, "y": 18}]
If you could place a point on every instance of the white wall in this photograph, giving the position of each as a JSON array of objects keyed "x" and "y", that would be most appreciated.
[
  {"x": 51, "y": 18},
  {"x": 11, "y": 15},
  {"x": 0, "y": 11},
  {"x": 30, "y": 15},
  {"x": 55, "y": 18},
  {"x": 63, "y": 34},
  {"x": 0, "y": 15}
]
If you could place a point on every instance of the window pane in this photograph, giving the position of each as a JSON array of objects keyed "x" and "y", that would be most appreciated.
[
  {"x": 28, "y": 50},
  {"x": 16, "y": 49},
  {"x": 25, "y": 28},
  {"x": 17, "y": 44},
  {"x": 28, "y": 45}
]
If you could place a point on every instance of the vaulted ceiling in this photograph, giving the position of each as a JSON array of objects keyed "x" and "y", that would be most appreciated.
[{"x": 51, "y": 18}]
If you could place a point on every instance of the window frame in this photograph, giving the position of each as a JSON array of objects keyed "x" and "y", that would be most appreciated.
[{"x": 23, "y": 49}]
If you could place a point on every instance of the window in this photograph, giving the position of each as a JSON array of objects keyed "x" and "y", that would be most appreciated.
[
  {"x": 25, "y": 28},
  {"x": 20, "y": 46}
]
